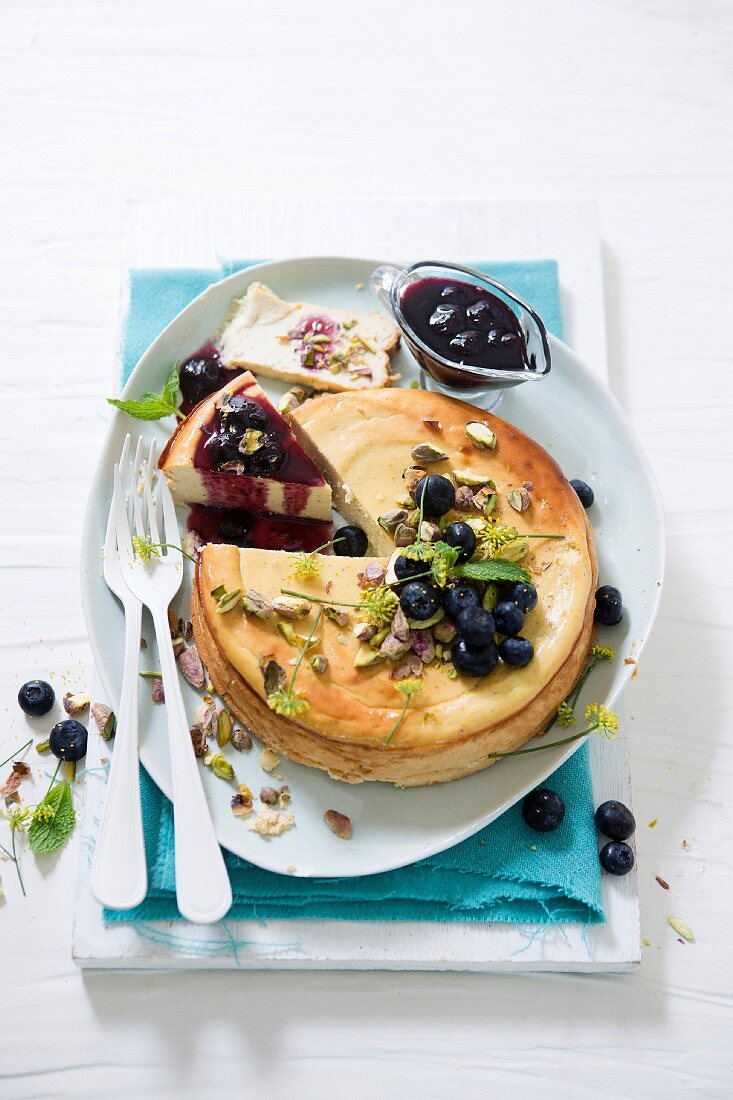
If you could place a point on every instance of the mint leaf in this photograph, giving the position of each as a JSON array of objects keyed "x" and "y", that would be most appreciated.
[
  {"x": 495, "y": 569},
  {"x": 152, "y": 406},
  {"x": 53, "y": 820}
]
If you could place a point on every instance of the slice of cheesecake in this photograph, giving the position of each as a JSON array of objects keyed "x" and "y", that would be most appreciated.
[
  {"x": 235, "y": 450},
  {"x": 324, "y": 348}
]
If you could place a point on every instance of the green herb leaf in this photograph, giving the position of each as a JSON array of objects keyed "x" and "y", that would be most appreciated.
[
  {"x": 495, "y": 569},
  {"x": 53, "y": 820},
  {"x": 153, "y": 406}
]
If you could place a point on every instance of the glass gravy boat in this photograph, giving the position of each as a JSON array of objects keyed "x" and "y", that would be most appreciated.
[{"x": 478, "y": 384}]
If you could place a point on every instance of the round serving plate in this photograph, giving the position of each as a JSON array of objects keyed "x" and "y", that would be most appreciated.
[{"x": 574, "y": 417}]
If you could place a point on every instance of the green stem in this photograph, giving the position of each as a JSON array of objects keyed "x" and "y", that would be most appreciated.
[
  {"x": 397, "y": 724},
  {"x": 180, "y": 415},
  {"x": 17, "y": 753},
  {"x": 304, "y": 650},
  {"x": 172, "y": 546},
  {"x": 316, "y": 599},
  {"x": 541, "y": 536},
  {"x": 151, "y": 675},
  {"x": 540, "y": 748},
  {"x": 53, "y": 779},
  {"x": 14, "y": 857}
]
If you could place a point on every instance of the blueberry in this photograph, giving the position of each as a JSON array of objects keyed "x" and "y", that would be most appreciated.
[
  {"x": 516, "y": 652},
  {"x": 459, "y": 597},
  {"x": 266, "y": 461},
  {"x": 420, "y": 601},
  {"x": 36, "y": 698},
  {"x": 480, "y": 315},
  {"x": 436, "y": 494},
  {"x": 448, "y": 319},
  {"x": 586, "y": 495},
  {"x": 461, "y": 537},
  {"x": 473, "y": 660},
  {"x": 68, "y": 740},
  {"x": 469, "y": 342},
  {"x": 407, "y": 567},
  {"x": 350, "y": 542},
  {"x": 453, "y": 292},
  {"x": 223, "y": 447},
  {"x": 494, "y": 335},
  {"x": 524, "y": 595},
  {"x": 476, "y": 626},
  {"x": 609, "y": 605},
  {"x": 616, "y": 857},
  {"x": 543, "y": 810},
  {"x": 234, "y": 525},
  {"x": 615, "y": 820},
  {"x": 509, "y": 617},
  {"x": 240, "y": 413},
  {"x": 509, "y": 338},
  {"x": 199, "y": 377}
]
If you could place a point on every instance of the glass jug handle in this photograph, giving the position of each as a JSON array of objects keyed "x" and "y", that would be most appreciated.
[{"x": 381, "y": 283}]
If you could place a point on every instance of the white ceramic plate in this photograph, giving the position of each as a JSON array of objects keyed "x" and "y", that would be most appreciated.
[{"x": 569, "y": 413}]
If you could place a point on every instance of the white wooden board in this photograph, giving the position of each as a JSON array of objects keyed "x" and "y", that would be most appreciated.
[{"x": 204, "y": 234}]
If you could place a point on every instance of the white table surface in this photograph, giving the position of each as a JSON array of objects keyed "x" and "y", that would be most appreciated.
[{"x": 627, "y": 103}]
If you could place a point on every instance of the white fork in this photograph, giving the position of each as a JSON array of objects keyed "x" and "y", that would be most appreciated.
[
  {"x": 203, "y": 890},
  {"x": 119, "y": 875}
]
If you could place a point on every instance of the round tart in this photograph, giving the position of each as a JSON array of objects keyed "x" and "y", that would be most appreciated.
[{"x": 455, "y": 724}]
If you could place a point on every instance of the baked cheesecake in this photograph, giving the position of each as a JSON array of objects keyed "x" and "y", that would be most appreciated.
[
  {"x": 349, "y": 706},
  {"x": 235, "y": 451},
  {"x": 324, "y": 348},
  {"x": 454, "y": 643}
]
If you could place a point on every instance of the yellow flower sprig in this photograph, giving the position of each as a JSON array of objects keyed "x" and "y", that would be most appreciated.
[
  {"x": 306, "y": 566},
  {"x": 601, "y": 721},
  {"x": 285, "y": 700},
  {"x": 565, "y": 716}
]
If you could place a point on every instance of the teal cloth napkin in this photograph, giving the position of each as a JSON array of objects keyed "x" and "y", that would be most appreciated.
[{"x": 506, "y": 872}]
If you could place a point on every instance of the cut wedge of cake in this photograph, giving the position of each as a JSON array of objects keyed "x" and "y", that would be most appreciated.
[
  {"x": 236, "y": 451},
  {"x": 320, "y": 347}
]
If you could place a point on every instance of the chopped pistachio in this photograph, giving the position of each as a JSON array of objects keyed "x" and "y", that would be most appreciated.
[
  {"x": 251, "y": 442},
  {"x": 404, "y": 535},
  {"x": 363, "y": 632},
  {"x": 445, "y": 631},
  {"x": 291, "y": 607},
  {"x": 404, "y": 500},
  {"x": 221, "y": 767},
  {"x": 412, "y": 476},
  {"x": 391, "y": 520},
  {"x": 519, "y": 499},
  {"x": 338, "y": 615},
  {"x": 293, "y": 399},
  {"x": 318, "y": 663},
  {"x": 515, "y": 550},
  {"x": 393, "y": 647},
  {"x": 42, "y": 748},
  {"x": 429, "y": 531},
  {"x": 255, "y": 604},
  {"x": 241, "y": 740},
  {"x": 366, "y": 656},
  {"x": 417, "y": 624},
  {"x": 379, "y": 637},
  {"x": 191, "y": 668},
  {"x": 75, "y": 703},
  {"x": 338, "y": 823},
  {"x": 491, "y": 597},
  {"x": 268, "y": 795},
  {"x": 288, "y": 633},
  {"x": 468, "y": 477},
  {"x": 428, "y": 452},
  {"x": 682, "y": 928},
  {"x": 226, "y": 600},
  {"x": 464, "y": 499},
  {"x": 480, "y": 434},
  {"x": 224, "y": 727},
  {"x": 241, "y": 806},
  {"x": 273, "y": 674}
]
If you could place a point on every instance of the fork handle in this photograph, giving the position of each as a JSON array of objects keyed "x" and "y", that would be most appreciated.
[
  {"x": 119, "y": 877},
  {"x": 203, "y": 890}
]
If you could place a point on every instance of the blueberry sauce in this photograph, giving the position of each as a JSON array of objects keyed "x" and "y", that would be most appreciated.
[
  {"x": 465, "y": 324},
  {"x": 239, "y": 527},
  {"x": 274, "y": 451},
  {"x": 202, "y": 374}
]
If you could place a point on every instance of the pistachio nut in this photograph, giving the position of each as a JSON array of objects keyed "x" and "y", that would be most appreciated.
[
  {"x": 412, "y": 476},
  {"x": 338, "y": 615},
  {"x": 339, "y": 824},
  {"x": 224, "y": 727},
  {"x": 221, "y": 767},
  {"x": 366, "y": 656},
  {"x": 428, "y": 452},
  {"x": 241, "y": 806},
  {"x": 363, "y": 632},
  {"x": 404, "y": 535},
  {"x": 468, "y": 477},
  {"x": 226, "y": 600},
  {"x": 318, "y": 663},
  {"x": 480, "y": 434},
  {"x": 519, "y": 499},
  {"x": 255, "y": 604},
  {"x": 75, "y": 703},
  {"x": 464, "y": 499},
  {"x": 391, "y": 519},
  {"x": 291, "y": 607},
  {"x": 293, "y": 399},
  {"x": 241, "y": 740}
]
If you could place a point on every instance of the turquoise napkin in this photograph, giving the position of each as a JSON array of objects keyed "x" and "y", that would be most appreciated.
[{"x": 506, "y": 872}]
